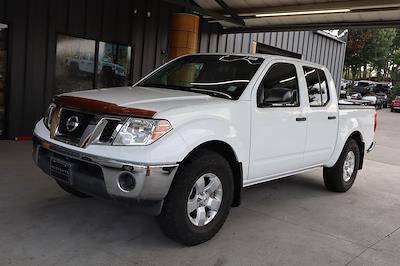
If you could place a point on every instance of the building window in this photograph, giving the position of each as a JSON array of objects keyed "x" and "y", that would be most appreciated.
[
  {"x": 3, "y": 75},
  {"x": 113, "y": 65},
  {"x": 75, "y": 64},
  {"x": 83, "y": 64}
]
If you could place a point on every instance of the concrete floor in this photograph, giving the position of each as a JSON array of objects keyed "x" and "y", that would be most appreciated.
[{"x": 294, "y": 221}]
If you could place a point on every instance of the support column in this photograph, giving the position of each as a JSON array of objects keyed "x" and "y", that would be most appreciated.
[{"x": 183, "y": 35}]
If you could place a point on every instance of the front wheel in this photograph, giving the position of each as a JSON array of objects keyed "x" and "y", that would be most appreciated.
[
  {"x": 342, "y": 175},
  {"x": 199, "y": 199}
]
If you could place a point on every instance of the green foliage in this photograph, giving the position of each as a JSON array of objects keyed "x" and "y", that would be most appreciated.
[
  {"x": 396, "y": 57},
  {"x": 396, "y": 91},
  {"x": 377, "y": 48},
  {"x": 380, "y": 49},
  {"x": 355, "y": 49}
]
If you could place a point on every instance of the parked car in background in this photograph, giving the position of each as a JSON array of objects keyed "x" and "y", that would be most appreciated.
[
  {"x": 395, "y": 104},
  {"x": 343, "y": 94},
  {"x": 384, "y": 80},
  {"x": 383, "y": 97},
  {"x": 364, "y": 87},
  {"x": 356, "y": 96},
  {"x": 382, "y": 87},
  {"x": 373, "y": 100},
  {"x": 344, "y": 84},
  {"x": 185, "y": 140}
]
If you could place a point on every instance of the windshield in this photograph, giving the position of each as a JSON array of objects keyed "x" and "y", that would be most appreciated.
[
  {"x": 224, "y": 76},
  {"x": 363, "y": 84}
]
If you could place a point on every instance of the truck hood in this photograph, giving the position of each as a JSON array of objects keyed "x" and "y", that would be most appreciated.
[{"x": 154, "y": 99}]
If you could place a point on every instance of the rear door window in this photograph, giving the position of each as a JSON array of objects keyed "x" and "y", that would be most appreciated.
[
  {"x": 313, "y": 86},
  {"x": 317, "y": 86},
  {"x": 324, "y": 86}
]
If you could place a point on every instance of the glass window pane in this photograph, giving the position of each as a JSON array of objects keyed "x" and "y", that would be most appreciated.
[
  {"x": 324, "y": 86},
  {"x": 74, "y": 64},
  {"x": 224, "y": 76},
  {"x": 280, "y": 80},
  {"x": 3, "y": 73},
  {"x": 313, "y": 86},
  {"x": 114, "y": 63}
]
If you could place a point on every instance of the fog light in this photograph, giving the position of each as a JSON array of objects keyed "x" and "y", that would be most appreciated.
[{"x": 126, "y": 181}]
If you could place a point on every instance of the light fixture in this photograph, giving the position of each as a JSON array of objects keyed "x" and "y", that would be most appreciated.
[{"x": 310, "y": 12}]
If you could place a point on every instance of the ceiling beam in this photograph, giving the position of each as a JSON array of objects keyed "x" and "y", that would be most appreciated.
[
  {"x": 230, "y": 11},
  {"x": 315, "y": 26},
  {"x": 353, "y": 5},
  {"x": 215, "y": 15}
]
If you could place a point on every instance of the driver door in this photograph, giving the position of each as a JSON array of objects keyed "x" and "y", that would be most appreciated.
[{"x": 279, "y": 123}]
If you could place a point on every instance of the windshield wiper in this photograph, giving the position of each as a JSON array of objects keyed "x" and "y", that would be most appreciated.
[
  {"x": 189, "y": 89},
  {"x": 154, "y": 85},
  {"x": 213, "y": 92}
]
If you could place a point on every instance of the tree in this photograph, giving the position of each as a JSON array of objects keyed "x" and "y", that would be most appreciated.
[
  {"x": 356, "y": 42},
  {"x": 379, "y": 50}
]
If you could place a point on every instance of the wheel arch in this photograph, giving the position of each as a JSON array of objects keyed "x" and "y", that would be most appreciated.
[
  {"x": 229, "y": 154},
  {"x": 341, "y": 142},
  {"x": 357, "y": 136}
]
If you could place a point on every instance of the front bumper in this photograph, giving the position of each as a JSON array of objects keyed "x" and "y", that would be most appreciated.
[{"x": 99, "y": 176}]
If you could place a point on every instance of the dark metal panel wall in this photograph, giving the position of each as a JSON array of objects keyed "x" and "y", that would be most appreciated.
[
  {"x": 3, "y": 7},
  {"x": 313, "y": 46},
  {"x": 34, "y": 25},
  {"x": 18, "y": 10},
  {"x": 35, "y": 63}
]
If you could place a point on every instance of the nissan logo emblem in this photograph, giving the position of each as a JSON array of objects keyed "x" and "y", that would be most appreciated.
[{"x": 72, "y": 123}]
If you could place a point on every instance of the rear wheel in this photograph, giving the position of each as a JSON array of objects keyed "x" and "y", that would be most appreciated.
[
  {"x": 342, "y": 175},
  {"x": 199, "y": 199},
  {"x": 72, "y": 191}
]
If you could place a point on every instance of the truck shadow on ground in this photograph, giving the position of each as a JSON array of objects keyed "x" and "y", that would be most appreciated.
[{"x": 86, "y": 220}]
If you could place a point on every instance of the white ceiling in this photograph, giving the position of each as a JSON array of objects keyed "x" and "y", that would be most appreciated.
[{"x": 362, "y": 11}]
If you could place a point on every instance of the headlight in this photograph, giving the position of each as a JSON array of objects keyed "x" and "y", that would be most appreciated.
[
  {"x": 49, "y": 115},
  {"x": 137, "y": 131}
]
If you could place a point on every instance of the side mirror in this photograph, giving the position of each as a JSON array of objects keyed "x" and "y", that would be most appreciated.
[{"x": 279, "y": 96}]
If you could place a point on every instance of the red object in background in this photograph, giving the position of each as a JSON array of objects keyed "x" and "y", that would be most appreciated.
[
  {"x": 21, "y": 138},
  {"x": 375, "y": 120}
]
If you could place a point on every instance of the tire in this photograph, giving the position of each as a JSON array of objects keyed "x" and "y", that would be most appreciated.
[
  {"x": 335, "y": 178},
  {"x": 175, "y": 219},
  {"x": 72, "y": 191}
]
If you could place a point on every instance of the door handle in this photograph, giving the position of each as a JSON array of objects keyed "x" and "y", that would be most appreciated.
[
  {"x": 332, "y": 117},
  {"x": 300, "y": 119}
]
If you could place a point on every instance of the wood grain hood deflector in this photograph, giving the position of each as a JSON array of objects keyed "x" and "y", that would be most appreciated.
[{"x": 95, "y": 106}]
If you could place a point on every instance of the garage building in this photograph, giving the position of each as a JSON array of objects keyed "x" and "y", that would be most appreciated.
[{"x": 48, "y": 47}]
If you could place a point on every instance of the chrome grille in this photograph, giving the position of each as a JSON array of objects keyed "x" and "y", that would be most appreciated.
[
  {"x": 86, "y": 128},
  {"x": 108, "y": 131}
]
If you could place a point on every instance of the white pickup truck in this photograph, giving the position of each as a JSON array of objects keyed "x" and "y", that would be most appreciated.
[{"x": 185, "y": 140}]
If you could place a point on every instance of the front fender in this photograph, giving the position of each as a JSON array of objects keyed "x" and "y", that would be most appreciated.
[{"x": 199, "y": 131}]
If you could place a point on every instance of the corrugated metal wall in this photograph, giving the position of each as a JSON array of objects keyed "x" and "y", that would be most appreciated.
[
  {"x": 33, "y": 29},
  {"x": 313, "y": 46}
]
